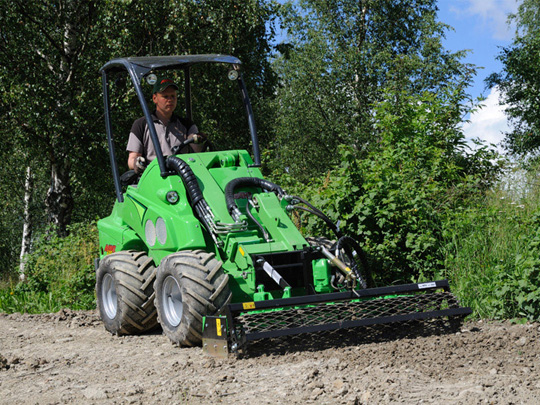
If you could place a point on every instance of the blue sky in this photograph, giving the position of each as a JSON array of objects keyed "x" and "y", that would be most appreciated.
[{"x": 481, "y": 26}]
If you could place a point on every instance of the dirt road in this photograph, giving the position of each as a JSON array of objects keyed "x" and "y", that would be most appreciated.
[{"x": 69, "y": 358}]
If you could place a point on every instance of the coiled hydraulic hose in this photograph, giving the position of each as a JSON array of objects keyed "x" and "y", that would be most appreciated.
[
  {"x": 189, "y": 179},
  {"x": 243, "y": 182},
  {"x": 357, "y": 258},
  {"x": 194, "y": 192}
]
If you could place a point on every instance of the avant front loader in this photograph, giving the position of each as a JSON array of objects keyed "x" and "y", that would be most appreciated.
[{"x": 204, "y": 246}]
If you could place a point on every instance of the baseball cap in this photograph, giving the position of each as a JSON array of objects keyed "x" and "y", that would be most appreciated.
[{"x": 162, "y": 84}]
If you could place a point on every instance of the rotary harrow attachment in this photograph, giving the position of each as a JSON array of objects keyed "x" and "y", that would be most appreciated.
[{"x": 251, "y": 321}]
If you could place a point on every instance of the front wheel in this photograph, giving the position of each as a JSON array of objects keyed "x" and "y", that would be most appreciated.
[
  {"x": 124, "y": 292},
  {"x": 189, "y": 285}
]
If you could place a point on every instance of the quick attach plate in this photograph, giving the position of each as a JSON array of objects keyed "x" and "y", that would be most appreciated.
[{"x": 214, "y": 341}]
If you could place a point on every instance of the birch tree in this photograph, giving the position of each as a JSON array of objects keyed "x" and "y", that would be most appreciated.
[
  {"x": 519, "y": 81},
  {"x": 344, "y": 57}
]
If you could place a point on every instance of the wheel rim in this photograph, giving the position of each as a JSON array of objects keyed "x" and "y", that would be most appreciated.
[
  {"x": 171, "y": 301},
  {"x": 108, "y": 296}
]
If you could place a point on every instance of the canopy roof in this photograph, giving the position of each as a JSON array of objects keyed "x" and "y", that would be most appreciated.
[{"x": 142, "y": 65}]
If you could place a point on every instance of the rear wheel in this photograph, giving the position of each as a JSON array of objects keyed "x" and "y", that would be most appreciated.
[
  {"x": 189, "y": 285},
  {"x": 124, "y": 292}
]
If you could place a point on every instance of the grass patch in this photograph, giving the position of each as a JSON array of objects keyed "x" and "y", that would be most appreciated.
[
  {"x": 59, "y": 274},
  {"x": 493, "y": 255}
]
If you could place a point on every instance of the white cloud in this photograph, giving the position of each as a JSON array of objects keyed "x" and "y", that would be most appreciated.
[
  {"x": 492, "y": 13},
  {"x": 489, "y": 122}
]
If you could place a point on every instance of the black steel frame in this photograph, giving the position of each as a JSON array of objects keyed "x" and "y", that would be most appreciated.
[
  {"x": 297, "y": 262},
  {"x": 239, "y": 337}
]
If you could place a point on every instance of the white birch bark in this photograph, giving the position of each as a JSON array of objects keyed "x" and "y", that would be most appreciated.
[{"x": 27, "y": 224}]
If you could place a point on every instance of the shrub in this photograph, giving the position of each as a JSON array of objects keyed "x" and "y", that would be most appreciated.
[
  {"x": 59, "y": 273},
  {"x": 493, "y": 256},
  {"x": 397, "y": 197}
]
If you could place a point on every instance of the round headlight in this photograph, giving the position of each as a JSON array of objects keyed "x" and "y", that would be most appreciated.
[
  {"x": 151, "y": 79},
  {"x": 172, "y": 197},
  {"x": 233, "y": 74}
]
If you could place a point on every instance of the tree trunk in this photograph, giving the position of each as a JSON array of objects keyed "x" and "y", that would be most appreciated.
[
  {"x": 59, "y": 199},
  {"x": 27, "y": 225}
]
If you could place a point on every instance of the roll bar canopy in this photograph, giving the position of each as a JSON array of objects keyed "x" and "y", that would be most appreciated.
[{"x": 144, "y": 64}]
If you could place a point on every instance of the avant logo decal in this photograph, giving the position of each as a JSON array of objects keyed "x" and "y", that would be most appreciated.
[{"x": 242, "y": 194}]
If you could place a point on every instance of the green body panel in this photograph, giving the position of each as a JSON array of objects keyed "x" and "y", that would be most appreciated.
[
  {"x": 147, "y": 221},
  {"x": 321, "y": 276}
]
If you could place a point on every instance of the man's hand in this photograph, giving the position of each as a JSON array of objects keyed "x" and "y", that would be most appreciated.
[
  {"x": 140, "y": 165},
  {"x": 199, "y": 138},
  {"x": 199, "y": 142}
]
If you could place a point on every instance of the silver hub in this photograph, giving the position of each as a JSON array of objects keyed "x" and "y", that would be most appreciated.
[
  {"x": 171, "y": 301},
  {"x": 108, "y": 296}
]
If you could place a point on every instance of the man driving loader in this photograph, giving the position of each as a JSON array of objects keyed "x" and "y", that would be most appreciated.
[{"x": 171, "y": 130}]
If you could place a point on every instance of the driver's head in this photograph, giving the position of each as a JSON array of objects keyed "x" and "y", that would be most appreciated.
[{"x": 165, "y": 97}]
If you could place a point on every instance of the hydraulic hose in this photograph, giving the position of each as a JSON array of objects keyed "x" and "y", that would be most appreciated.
[
  {"x": 243, "y": 182},
  {"x": 189, "y": 179},
  {"x": 348, "y": 244},
  {"x": 308, "y": 204},
  {"x": 198, "y": 203},
  {"x": 358, "y": 259},
  {"x": 259, "y": 225},
  {"x": 318, "y": 213}
]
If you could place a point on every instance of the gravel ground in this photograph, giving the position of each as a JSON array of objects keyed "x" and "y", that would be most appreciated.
[{"x": 69, "y": 358}]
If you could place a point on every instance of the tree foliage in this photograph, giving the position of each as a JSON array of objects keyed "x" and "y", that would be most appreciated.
[
  {"x": 342, "y": 59},
  {"x": 48, "y": 59},
  {"x": 396, "y": 199},
  {"x": 519, "y": 81},
  {"x": 12, "y": 187},
  {"x": 50, "y": 92}
]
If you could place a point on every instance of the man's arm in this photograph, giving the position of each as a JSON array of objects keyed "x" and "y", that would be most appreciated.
[
  {"x": 135, "y": 141},
  {"x": 132, "y": 158}
]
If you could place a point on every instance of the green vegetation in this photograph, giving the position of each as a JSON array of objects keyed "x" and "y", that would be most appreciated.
[
  {"x": 492, "y": 253},
  {"x": 519, "y": 81},
  {"x": 360, "y": 113},
  {"x": 398, "y": 197},
  {"x": 486, "y": 242},
  {"x": 59, "y": 274}
]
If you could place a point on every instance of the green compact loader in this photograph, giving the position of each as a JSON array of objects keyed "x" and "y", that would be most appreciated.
[{"x": 202, "y": 245}]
